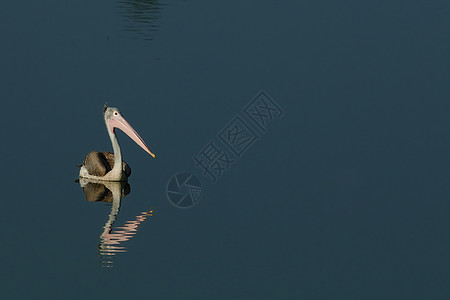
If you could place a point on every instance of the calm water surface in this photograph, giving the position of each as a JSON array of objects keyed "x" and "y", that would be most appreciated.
[{"x": 330, "y": 121}]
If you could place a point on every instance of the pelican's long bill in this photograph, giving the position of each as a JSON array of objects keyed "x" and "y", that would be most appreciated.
[{"x": 117, "y": 121}]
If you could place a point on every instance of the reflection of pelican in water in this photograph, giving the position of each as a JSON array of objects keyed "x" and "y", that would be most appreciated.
[
  {"x": 105, "y": 165},
  {"x": 112, "y": 237}
]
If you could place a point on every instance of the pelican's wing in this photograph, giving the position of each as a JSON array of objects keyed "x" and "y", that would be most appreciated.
[
  {"x": 110, "y": 159},
  {"x": 97, "y": 164},
  {"x": 126, "y": 169}
]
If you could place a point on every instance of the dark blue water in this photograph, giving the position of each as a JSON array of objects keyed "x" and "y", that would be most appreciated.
[{"x": 321, "y": 128}]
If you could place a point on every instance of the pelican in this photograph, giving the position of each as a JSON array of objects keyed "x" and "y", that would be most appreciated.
[{"x": 106, "y": 166}]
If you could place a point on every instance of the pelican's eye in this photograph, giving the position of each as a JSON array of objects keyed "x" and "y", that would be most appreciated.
[{"x": 115, "y": 113}]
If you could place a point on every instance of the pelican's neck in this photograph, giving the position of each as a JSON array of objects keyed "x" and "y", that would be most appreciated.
[{"x": 117, "y": 169}]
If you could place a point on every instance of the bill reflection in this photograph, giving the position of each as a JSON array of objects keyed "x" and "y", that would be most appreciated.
[{"x": 112, "y": 237}]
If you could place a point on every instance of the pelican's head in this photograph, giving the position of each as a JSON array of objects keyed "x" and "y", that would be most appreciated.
[{"x": 114, "y": 119}]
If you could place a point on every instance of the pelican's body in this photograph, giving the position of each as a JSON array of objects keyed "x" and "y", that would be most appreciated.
[
  {"x": 107, "y": 166},
  {"x": 100, "y": 164}
]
